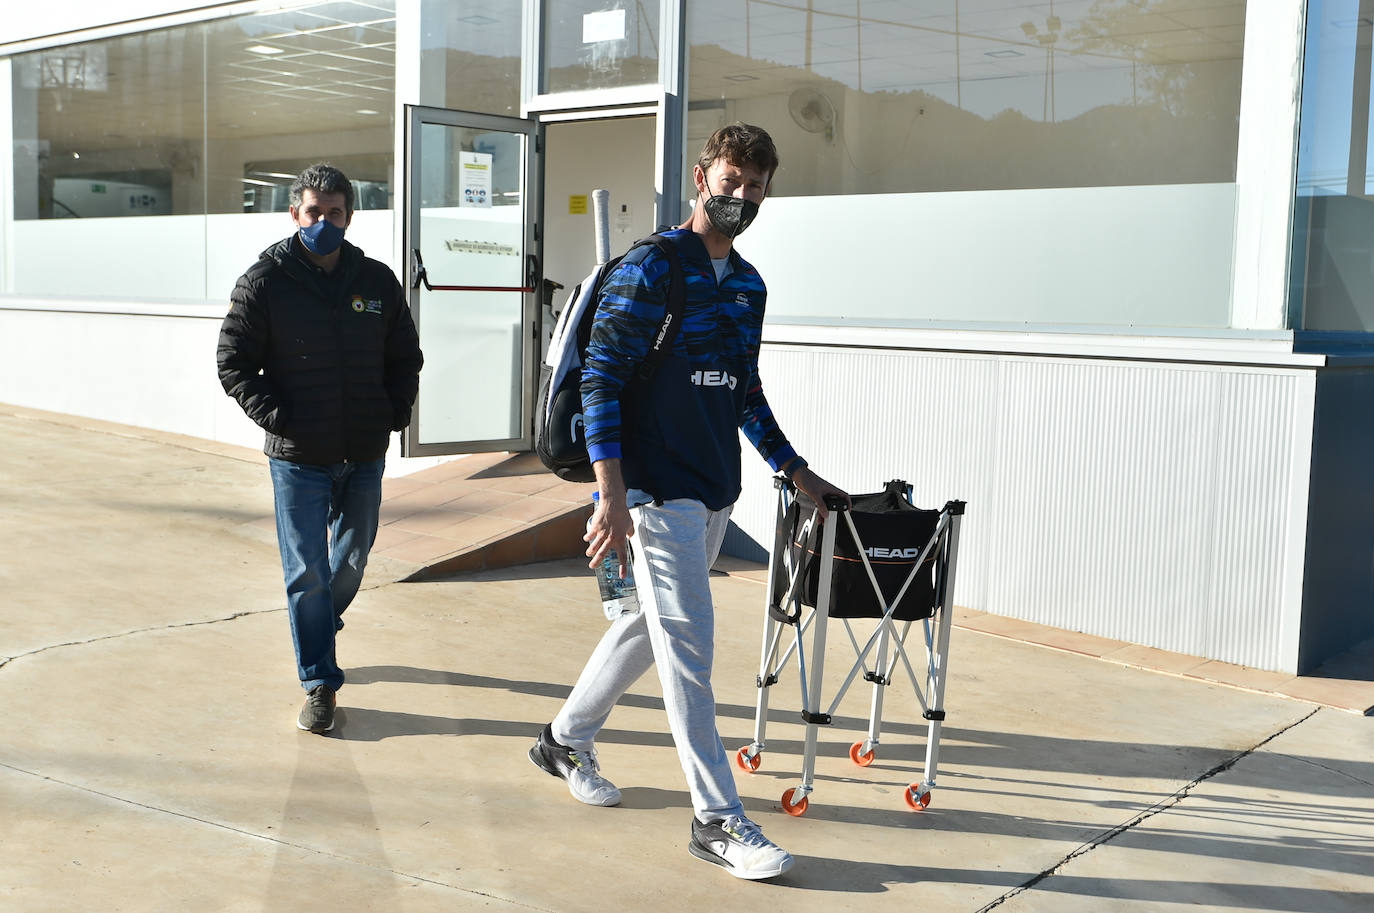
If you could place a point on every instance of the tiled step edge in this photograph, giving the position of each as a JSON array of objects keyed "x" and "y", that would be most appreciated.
[{"x": 557, "y": 537}]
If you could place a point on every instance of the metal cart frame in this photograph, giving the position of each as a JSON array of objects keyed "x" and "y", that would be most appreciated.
[{"x": 887, "y": 644}]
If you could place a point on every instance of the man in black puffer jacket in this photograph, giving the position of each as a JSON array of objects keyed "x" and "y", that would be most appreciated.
[{"x": 320, "y": 350}]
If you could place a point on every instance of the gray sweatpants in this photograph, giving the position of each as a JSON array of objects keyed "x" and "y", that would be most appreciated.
[{"x": 674, "y": 546}]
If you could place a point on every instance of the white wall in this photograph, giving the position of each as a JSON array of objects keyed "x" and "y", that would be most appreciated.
[
  {"x": 186, "y": 258},
  {"x": 233, "y": 242},
  {"x": 155, "y": 369},
  {"x": 582, "y": 156},
  {"x": 92, "y": 345},
  {"x": 149, "y": 365},
  {"x": 111, "y": 258},
  {"x": 1157, "y": 256}
]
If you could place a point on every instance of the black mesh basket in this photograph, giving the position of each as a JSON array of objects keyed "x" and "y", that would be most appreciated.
[{"x": 894, "y": 534}]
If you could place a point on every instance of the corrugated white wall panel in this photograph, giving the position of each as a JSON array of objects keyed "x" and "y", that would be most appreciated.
[
  {"x": 1254, "y": 519},
  {"x": 1103, "y": 468},
  {"x": 1145, "y": 501}
]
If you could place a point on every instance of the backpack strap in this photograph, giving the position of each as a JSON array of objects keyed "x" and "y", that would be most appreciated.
[
  {"x": 676, "y": 306},
  {"x": 672, "y": 314}
]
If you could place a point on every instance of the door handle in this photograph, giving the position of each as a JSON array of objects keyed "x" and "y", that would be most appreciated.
[
  {"x": 420, "y": 276},
  {"x": 417, "y": 270}
]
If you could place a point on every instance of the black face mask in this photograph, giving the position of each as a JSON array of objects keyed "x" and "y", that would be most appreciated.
[{"x": 730, "y": 215}]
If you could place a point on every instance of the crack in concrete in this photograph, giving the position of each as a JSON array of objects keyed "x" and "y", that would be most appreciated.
[
  {"x": 4, "y": 661},
  {"x": 1162, "y": 805},
  {"x": 267, "y": 838}
]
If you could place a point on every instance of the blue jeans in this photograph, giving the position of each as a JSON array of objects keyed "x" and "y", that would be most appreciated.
[{"x": 327, "y": 520}]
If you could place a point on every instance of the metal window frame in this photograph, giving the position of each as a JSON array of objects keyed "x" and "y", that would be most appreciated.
[{"x": 1266, "y": 164}]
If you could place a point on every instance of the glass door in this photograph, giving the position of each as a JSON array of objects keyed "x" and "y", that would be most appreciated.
[{"x": 471, "y": 199}]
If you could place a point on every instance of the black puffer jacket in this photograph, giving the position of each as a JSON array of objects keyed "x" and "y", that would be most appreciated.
[{"x": 327, "y": 363}]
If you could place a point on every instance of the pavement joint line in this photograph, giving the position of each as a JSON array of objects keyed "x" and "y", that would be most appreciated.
[
  {"x": 266, "y": 838},
  {"x": 1185, "y": 676},
  {"x": 1162, "y": 805},
  {"x": 1341, "y": 773},
  {"x": 6, "y": 660}
]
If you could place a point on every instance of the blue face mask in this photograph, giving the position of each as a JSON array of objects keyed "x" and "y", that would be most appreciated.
[{"x": 322, "y": 238}]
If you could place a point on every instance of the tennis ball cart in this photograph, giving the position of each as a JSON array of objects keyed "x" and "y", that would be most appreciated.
[{"x": 882, "y": 562}]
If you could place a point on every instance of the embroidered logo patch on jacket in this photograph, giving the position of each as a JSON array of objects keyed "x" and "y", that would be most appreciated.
[{"x": 367, "y": 305}]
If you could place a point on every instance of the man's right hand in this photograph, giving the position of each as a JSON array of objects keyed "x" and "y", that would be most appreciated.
[
  {"x": 611, "y": 526},
  {"x": 818, "y": 489}
]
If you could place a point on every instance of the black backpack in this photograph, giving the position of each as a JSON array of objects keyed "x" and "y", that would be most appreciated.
[{"x": 559, "y": 429}]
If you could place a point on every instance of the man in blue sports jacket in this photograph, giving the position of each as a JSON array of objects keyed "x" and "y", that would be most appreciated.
[{"x": 667, "y": 461}]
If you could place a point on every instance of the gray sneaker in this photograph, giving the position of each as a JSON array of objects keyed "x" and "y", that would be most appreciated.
[
  {"x": 578, "y": 768},
  {"x": 318, "y": 713},
  {"x": 737, "y": 844}
]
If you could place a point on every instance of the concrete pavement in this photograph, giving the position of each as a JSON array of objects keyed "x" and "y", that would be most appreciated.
[{"x": 149, "y": 760}]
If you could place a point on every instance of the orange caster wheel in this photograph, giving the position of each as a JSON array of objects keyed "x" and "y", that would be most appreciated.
[
  {"x": 917, "y": 796},
  {"x": 863, "y": 760},
  {"x": 796, "y": 811},
  {"x": 748, "y": 762}
]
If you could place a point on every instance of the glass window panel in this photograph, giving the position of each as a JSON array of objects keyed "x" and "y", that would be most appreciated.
[
  {"x": 472, "y": 49},
  {"x": 1331, "y": 284},
  {"x": 472, "y": 233},
  {"x": 600, "y": 44},
  {"x": 882, "y": 96},
  {"x": 110, "y": 128},
  {"x": 292, "y": 87},
  {"x": 119, "y": 128},
  {"x": 1019, "y": 162}
]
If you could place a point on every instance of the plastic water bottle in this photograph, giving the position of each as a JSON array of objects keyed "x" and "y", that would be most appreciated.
[{"x": 618, "y": 596}]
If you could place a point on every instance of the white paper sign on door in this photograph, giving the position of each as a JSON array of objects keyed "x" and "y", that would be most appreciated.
[
  {"x": 608, "y": 25},
  {"x": 475, "y": 180}
]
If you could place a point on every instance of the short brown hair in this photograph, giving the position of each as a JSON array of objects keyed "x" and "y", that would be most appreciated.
[
  {"x": 741, "y": 144},
  {"x": 322, "y": 178}
]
